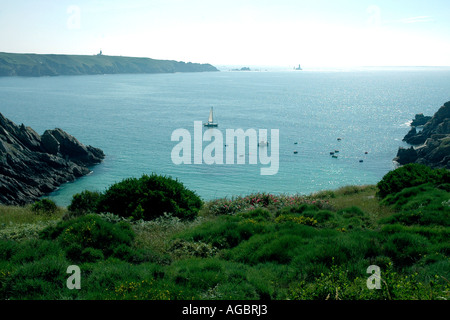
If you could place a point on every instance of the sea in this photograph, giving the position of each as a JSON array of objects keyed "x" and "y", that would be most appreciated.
[{"x": 132, "y": 118}]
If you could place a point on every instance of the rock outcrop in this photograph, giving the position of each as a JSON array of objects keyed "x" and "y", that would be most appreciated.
[
  {"x": 420, "y": 120},
  {"x": 32, "y": 165},
  {"x": 431, "y": 145}
]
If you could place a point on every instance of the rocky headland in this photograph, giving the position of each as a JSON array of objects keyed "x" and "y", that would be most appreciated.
[
  {"x": 32, "y": 165},
  {"x": 431, "y": 145},
  {"x": 38, "y": 65}
]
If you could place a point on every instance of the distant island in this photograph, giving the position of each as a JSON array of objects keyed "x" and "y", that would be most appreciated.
[
  {"x": 242, "y": 69},
  {"x": 37, "y": 65}
]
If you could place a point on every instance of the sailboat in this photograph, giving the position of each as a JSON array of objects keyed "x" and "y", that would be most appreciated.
[{"x": 211, "y": 122}]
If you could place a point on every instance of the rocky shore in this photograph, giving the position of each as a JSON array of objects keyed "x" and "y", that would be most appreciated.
[
  {"x": 431, "y": 145},
  {"x": 32, "y": 165}
]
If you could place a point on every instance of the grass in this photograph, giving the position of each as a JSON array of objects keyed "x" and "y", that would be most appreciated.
[
  {"x": 260, "y": 246},
  {"x": 14, "y": 215},
  {"x": 363, "y": 197}
]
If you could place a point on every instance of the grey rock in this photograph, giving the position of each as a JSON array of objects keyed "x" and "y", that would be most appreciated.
[
  {"x": 32, "y": 165},
  {"x": 431, "y": 146}
]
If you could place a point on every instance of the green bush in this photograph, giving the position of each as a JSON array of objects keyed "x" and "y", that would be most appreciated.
[
  {"x": 297, "y": 209},
  {"x": 35, "y": 249},
  {"x": 258, "y": 214},
  {"x": 405, "y": 248},
  {"x": 40, "y": 279},
  {"x": 225, "y": 232},
  {"x": 150, "y": 197},
  {"x": 411, "y": 175},
  {"x": 44, "y": 206},
  {"x": 351, "y": 212},
  {"x": 424, "y": 204},
  {"x": 84, "y": 202},
  {"x": 339, "y": 284},
  {"x": 89, "y": 231}
]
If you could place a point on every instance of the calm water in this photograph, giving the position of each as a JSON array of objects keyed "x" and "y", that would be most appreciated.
[{"x": 132, "y": 117}]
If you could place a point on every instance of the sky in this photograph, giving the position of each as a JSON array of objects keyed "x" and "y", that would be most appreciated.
[{"x": 313, "y": 33}]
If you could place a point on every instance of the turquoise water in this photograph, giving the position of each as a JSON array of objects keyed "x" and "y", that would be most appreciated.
[{"x": 132, "y": 117}]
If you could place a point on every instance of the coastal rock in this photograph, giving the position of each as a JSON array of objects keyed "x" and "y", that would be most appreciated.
[
  {"x": 431, "y": 146},
  {"x": 405, "y": 156},
  {"x": 420, "y": 120},
  {"x": 32, "y": 165}
]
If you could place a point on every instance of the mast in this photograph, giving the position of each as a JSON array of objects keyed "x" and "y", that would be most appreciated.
[{"x": 210, "y": 120}]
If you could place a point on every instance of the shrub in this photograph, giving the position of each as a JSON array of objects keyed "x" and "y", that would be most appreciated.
[
  {"x": 150, "y": 197},
  {"x": 261, "y": 200},
  {"x": 259, "y": 214},
  {"x": 183, "y": 248},
  {"x": 296, "y": 219},
  {"x": 351, "y": 212},
  {"x": 41, "y": 279},
  {"x": 297, "y": 209},
  {"x": 410, "y": 175},
  {"x": 338, "y": 284},
  {"x": 84, "y": 202},
  {"x": 405, "y": 248},
  {"x": 225, "y": 232},
  {"x": 89, "y": 231},
  {"x": 35, "y": 249},
  {"x": 44, "y": 206}
]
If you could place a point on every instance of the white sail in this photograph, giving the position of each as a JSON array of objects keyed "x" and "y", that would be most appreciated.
[{"x": 210, "y": 119}]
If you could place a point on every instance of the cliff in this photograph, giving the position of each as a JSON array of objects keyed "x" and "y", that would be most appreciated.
[
  {"x": 36, "y": 65},
  {"x": 431, "y": 145},
  {"x": 32, "y": 165}
]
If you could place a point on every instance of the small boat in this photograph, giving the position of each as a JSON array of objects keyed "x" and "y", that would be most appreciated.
[
  {"x": 295, "y": 142},
  {"x": 334, "y": 156},
  {"x": 366, "y": 152},
  {"x": 211, "y": 122},
  {"x": 339, "y": 139},
  {"x": 295, "y": 152},
  {"x": 336, "y": 151},
  {"x": 331, "y": 152},
  {"x": 361, "y": 160}
]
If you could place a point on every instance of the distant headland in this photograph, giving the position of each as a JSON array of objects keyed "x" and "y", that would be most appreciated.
[{"x": 37, "y": 65}]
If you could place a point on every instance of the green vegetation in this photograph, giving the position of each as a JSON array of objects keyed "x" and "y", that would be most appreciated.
[
  {"x": 149, "y": 197},
  {"x": 146, "y": 198},
  {"x": 261, "y": 246},
  {"x": 44, "y": 206},
  {"x": 411, "y": 175},
  {"x": 35, "y": 65}
]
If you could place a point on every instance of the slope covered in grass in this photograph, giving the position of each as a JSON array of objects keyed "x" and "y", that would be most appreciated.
[{"x": 261, "y": 246}]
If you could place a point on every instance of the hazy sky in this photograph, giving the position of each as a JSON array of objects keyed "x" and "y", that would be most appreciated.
[{"x": 315, "y": 33}]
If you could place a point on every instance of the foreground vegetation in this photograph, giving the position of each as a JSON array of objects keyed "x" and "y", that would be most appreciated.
[{"x": 260, "y": 246}]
